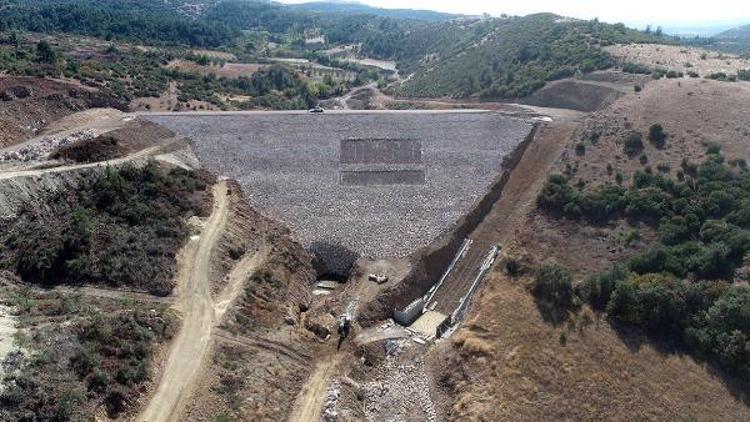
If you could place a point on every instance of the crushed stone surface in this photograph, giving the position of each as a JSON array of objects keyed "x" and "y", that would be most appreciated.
[{"x": 289, "y": 166}]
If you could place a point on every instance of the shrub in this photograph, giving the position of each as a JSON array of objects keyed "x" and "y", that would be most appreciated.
[
  {"x": 554, "y": 284},
  {"x": 121, "y": 227},
  {"x": 723, "y": 330},
  {"x": 643, "y": 159},
  {"x": 657, "y": 136},
  {"x": 636, "y": 68},
  {"x": 659, "y": 303},
  {"x": 632, "y": 145},
  {"x": 580, "y": 149},
  {"x": 674, "y": 74},
  {"x": 597, "y": 289},
  {"x": 557, "y": 196}
]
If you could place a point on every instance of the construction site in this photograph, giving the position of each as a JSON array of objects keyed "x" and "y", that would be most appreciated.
[{"x": 335, "y": 266}]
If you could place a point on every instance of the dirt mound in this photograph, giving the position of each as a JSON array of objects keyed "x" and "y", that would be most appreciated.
[
  {"x": 133, "y": 137},
  {"x": 573, "y": 94},
  {"x": 29, "y": 104}
]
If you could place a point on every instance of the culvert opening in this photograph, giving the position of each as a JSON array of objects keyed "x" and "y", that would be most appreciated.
[{"x": 333, "y": 261}]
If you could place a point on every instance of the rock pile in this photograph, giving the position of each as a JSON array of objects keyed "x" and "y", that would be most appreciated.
[
  {"x": 332, "y": 397},
  {"x": 399, "y": 392},
  {"x": 41, "y": 149}
]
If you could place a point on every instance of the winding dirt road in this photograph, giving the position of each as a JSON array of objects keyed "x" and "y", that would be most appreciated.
[
  {"x": 200, "y": 314},
  {"x": 193, "y": 294}
]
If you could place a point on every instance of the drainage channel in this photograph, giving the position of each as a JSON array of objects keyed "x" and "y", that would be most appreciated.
[{"x": 424, "y": 318}]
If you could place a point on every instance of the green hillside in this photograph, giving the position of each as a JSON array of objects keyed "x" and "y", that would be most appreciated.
[{"x": 506, "y": 57}]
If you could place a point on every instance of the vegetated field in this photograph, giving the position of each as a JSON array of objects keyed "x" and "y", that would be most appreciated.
[
  {"x": 78, "y": 356},
  {"x": 119, "y": 227},
  {"x": 526, "y": 354},
  {"x": 290, "y": 166},
  {"x": 227, "y": 70},
  {"x": 680, "y": 58}
]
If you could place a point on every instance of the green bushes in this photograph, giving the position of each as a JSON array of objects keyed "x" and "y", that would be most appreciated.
[
  {"x": 95, "y": 357},
  {"x": 120, "y": 227},
  {"x": 115, "y": 354},
  {"x": 560, "y": 198},
  {"x": 703, "y": 222},
  {"x": 723, "y": 330},
  {"x": 657, "y": 136},
  {"x": 636, "y": 68},
  {"x": 597, "y": 289},
  {"x": 632, "y": 145},
  {"x": 712, "y": 319},
  {"x": 554, "y": 285}
]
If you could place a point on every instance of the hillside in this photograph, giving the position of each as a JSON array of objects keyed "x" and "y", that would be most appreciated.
[
  {"x": 490, "y": 58},
  {"x": 354, "y": 8},
  {"x": 524, "y": 354},
  {"x": 741, "y": 32},
  {"x": 501, "y": 58}
]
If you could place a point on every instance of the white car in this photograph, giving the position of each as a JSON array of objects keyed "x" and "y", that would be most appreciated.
[{"x": 316, "y": 109}]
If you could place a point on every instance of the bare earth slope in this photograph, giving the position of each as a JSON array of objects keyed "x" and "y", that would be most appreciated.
[{"x": 27, "y": 105}]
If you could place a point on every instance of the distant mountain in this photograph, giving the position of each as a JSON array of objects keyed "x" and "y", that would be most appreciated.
[
  {"x": 739, "y": 33},
  {"x": 697, "y": 30},
  {"x": 354, "y": 8}
]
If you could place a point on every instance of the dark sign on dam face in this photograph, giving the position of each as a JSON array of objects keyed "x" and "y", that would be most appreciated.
[
  {"x": 384, "y": 161},
  {"x": 366, "y": 184}
]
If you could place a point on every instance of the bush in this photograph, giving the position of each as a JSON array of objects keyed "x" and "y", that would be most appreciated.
[
  {"x": 597, "y": 289},
  {"x": 723, "y": 330},
  {"x": 632, "y": 145},
  {"x": 659, "y": 303},
  {"x": 554, "y": 284},
  {"x": 557, "y": 196},
  {"x": 657, "y": 136},
  {"x": 580, "y": 149},
  {"x": 121, "y": 227}
]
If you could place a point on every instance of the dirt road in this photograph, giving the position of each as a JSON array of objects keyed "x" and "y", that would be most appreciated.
[
  {"x": 42, "y": 171},
  {"x": 310, "y": 400},
  {"x": 191, "y": 347}
]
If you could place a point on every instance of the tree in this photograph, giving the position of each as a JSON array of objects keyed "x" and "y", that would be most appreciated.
[
  {"x": 657, "y": 136},
  {"x": 45, "y": 53},
  {"x": 632, "y": 145}
]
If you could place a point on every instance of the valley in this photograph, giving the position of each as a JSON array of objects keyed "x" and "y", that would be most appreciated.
[{"x": 237, "y": 210}]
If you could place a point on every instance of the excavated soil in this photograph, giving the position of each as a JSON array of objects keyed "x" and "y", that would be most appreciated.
[
  {"x": 132, "y": 137},
  {"x": 27, "y": 105},
  {"x": 575, "y": 95}
]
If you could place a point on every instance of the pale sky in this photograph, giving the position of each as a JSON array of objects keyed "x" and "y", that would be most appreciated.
[{"x": 632, "y": 12}]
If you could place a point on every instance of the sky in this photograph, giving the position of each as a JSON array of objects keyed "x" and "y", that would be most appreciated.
[{"x": 631, "y": 12}]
